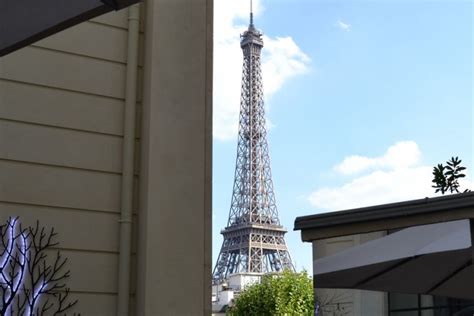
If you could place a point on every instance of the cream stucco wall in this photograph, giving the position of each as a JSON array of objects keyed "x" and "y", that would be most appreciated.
[{"x": 175, "y": 185}]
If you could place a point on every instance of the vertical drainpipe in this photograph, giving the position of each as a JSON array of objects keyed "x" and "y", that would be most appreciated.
[{"x": 125, "y": 221}]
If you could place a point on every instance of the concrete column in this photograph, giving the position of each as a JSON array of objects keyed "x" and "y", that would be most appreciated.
[{"x": 174, "y": 232}]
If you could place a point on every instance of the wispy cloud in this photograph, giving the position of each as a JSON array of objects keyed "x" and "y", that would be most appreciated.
[
  {"x": 343, "y": 26},
  {"x": 282, "y": 60},
  {"x": 397, "y": 175}
]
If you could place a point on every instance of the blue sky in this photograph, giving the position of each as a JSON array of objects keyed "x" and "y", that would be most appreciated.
[{"x": 363, "y": 98}]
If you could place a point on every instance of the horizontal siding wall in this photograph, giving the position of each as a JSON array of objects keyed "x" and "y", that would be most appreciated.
[
  {"x": 60, "y": 108},
  {"x": 61, "y": 132},
  {"x": 60, "y": 147},
  {"x": 114, "y": 48},
  {"x": 83, "y": 235},
  {"x": 57, "y": 186},
  {"x": 64, "y": 71}
]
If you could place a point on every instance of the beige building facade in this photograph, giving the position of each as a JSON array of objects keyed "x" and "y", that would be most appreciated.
[
  {"x": 110, "y": 117},
  {"x": 429, "y": 287},
  {"x": 347, "y": 301}
]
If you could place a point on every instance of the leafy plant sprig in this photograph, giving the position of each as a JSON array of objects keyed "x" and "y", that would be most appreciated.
[{"x": 446, "y": 178}]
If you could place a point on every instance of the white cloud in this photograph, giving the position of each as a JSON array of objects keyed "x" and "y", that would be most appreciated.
[
  {"x": 282, "y": 60},
  {"x": 343, "y": 26},
  {"x": 397, "y": 175},
  {"x": 401, "y": 155},
  {"x": 377, "y": 187}
]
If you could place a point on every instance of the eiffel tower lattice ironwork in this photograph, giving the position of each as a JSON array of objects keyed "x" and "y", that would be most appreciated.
[{"x": 253, "y": 239}]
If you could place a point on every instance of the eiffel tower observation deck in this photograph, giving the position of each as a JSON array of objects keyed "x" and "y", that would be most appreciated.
[{"x": 253, "y": 239}]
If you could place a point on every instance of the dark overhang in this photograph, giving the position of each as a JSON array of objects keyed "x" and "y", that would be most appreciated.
[
  {"x": 23, "y": 22},
  {"x": 387, "y": 216}
]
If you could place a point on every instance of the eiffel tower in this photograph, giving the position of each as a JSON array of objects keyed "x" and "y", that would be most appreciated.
[{"x": 253, "y": 239}]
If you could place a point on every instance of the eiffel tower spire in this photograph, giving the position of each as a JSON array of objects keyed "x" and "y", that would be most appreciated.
[{"x": 253, "y": 239}]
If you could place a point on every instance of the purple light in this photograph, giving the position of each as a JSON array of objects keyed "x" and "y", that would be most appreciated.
[
  {"x": 22, "y": 247},
  {"x": 18, "y": 246},
  {"x": 37, "y": 293},
  {"x": 5, "y": 258},
  {"x": 11, "y": 251}
]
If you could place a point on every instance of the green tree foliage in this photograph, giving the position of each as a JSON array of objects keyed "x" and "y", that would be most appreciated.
[
  {"x": 446, "y": 177},
  {"x": 285, "y": 294}
]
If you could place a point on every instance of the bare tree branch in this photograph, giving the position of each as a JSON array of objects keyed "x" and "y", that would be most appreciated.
[{"x": 32, "y": 283}]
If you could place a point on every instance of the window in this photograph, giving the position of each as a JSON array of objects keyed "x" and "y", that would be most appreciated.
[{"x": 427, "y": 305}]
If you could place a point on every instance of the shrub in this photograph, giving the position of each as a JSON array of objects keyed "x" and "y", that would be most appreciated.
[{"x": 288, "y": 294}]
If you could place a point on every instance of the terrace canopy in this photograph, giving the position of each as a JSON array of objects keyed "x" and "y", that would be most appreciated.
[
  {"x": 431, "y": 259},
  {"x": 23, "y": 22}
]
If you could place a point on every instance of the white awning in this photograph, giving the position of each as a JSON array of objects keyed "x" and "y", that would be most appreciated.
[{"x": 431, "y": 259}]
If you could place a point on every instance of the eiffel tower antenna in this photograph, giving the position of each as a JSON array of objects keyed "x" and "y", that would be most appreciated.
[
  {"x": 253, "y": 238},
  {"x": 251, "y": 12}
]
